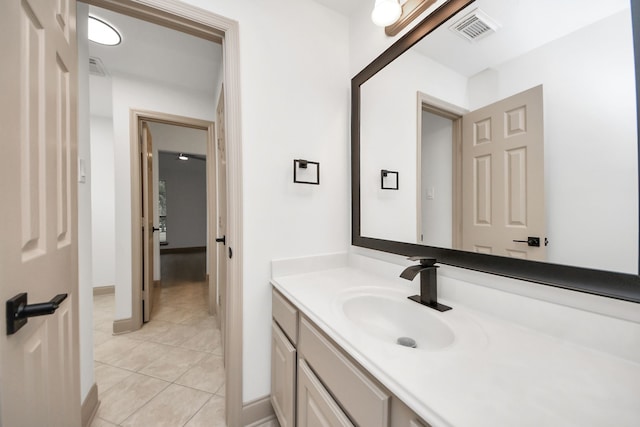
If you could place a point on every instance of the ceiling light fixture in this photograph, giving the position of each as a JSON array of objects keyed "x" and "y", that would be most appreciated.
[
  {"x": 386, "y": 12},
  {"x": 103, "y": 33},
  {"x": 183, "y": 156}
]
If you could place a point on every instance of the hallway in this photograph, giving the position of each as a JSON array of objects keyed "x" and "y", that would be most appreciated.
[{"x": 170, "y": 372}]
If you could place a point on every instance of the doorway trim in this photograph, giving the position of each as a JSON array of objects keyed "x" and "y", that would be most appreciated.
[
  {"x": 450, "y": 111},
  {"x": 136, "y": 117},
  {"x": 208, "y": 25}
]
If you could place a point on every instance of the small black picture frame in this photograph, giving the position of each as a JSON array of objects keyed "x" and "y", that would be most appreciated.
[
  {"x": 304, "y": 164},
  {"x": 384, "y": 176}
]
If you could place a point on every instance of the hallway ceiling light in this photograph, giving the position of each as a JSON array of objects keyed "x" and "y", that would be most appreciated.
[
  {"x": 183, "y": 156},
  {"x": 102, "y": 32},
  {"x": 386, "y": 12}
]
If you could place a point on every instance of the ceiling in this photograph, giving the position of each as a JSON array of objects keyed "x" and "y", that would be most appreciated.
[
  {"x": 152, "y": 52},
  {"x": 344, "y": 7}
]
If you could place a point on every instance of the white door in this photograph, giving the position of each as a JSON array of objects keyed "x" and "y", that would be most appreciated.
[
  {"x": 503, "y": 178},
  {"x": 222, "y": 218},
  {"x": 146, "y": 169},
  {"x": 39, "y": 371}
]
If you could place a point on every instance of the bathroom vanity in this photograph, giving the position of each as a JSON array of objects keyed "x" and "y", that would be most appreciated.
[
  {"x": 336, "y": 361},
  {"x": 315, "y": 382}
]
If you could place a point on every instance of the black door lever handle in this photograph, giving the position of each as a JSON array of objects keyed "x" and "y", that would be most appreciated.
[
  {"x": 222, "y": 240},
  {"x": 531, "y": 241},
  {"x": 154, "y": 229},
  {"x": 18, "y": 311}
]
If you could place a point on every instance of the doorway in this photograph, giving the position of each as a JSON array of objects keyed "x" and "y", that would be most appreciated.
[{"x": 211, "y": 27}]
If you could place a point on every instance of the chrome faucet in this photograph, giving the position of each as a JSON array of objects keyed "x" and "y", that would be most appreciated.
[{"x": 428, "y": 282}]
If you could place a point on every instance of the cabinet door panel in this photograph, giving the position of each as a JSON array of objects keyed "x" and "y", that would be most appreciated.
[
  {"x": 316, "y": 407},
  {"x": 283, "y": 377}
]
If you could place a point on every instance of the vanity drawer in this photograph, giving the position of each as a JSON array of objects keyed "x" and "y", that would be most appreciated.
[
  {"x": 364, "y": 402},
  {"x": 286, "y": 315}
]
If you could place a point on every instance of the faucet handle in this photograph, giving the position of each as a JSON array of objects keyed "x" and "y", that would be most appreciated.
[{"x": 424, "y": 260}]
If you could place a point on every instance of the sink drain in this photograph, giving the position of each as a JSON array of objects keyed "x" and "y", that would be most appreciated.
[{"x": 407, "y": 342}]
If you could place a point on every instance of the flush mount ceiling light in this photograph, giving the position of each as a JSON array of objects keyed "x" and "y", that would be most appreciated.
[
  {"x": 102, "y": 32},
  {"x": 386, "y": 12},
  {"x": 183, "y": 157}
]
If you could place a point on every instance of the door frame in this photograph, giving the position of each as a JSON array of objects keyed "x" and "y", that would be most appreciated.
[
  {"x": 208, "y": 25},
  {"x": 136, "y": 118},
  {"x": 450, "y": 111}
]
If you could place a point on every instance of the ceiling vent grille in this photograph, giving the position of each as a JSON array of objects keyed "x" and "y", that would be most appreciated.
[
  {"x": 96, "y": 67},
  {"x": 474, "y": 26}
]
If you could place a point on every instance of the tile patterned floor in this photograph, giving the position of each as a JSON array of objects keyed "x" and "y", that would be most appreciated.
[{"x": 169, "y": 373}]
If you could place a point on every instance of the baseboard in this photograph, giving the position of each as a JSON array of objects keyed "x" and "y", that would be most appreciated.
[
  {"x": 122, "y": 326},
  {"x": 104, "y": 290},
  {"x": 90, "y": 406},
  {"x": 257, "y": 412}
]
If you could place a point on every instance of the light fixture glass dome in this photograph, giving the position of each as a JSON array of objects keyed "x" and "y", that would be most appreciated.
[
  {"x": 386, "y": 12},
  {"x": 103, "y": 33}
]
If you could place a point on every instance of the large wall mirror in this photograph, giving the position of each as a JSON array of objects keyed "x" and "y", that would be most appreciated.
[{"x": 503, "y": 137}]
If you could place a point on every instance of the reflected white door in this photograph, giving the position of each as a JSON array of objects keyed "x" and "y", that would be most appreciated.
[
  {"x": 503, "y": 177},
  {"x": 222, "y": 218},
  {"x": 146, "y": 169},
  {"x": 40, "y": 378}
]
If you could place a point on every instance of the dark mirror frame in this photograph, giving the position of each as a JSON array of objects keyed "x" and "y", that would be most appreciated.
[{"x": 603, "y": 283}]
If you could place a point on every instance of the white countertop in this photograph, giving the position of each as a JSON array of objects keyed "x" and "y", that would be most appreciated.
[{"x": 495, "y": 373}]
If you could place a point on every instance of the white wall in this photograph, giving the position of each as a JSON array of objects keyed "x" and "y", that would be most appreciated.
[
  {"x": 102, "y": 201},
  {"x": 437, "y": 178},
  {"x": 85, "y": 290}
]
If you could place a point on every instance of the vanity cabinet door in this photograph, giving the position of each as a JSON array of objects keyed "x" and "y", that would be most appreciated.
[
  {"x": 283, "y": 377},
  {"x": 316, "y": 407}
]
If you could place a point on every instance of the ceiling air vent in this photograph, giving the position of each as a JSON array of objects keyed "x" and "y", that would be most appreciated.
[
  {"x": 474, "y": 26},
  {"x": 96, "y": 67}
]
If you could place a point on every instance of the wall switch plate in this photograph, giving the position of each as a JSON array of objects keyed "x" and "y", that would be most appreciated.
[{"x": 431, "y": 193}]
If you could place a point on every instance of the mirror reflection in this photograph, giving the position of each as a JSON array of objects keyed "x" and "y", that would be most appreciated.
[{"x": 512, "y": 128}]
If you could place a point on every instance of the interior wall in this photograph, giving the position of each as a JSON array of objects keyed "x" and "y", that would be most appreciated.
[
  {"x": 186, "y": 187},
  {"x": 437, "y": 180},
  {"x": 102, "y": 201}
]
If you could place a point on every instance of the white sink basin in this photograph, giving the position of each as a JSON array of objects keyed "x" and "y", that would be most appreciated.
[{"x": 389, "y": 317}]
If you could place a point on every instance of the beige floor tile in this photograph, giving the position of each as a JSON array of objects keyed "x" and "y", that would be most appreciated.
[
  {"x": 107, "y": 376},
  {"x": 103, "y": 325},
  {"x": 175, "y": 334},
  {"x": 127, "y": 396},
  {"x": 151, "y": 330},
  {"x": 173, "y": 407},
  {"x": 173, "y": 363},
  {"x": 206, "y": 375},
  {"x": 211, "y": 414},
  {"x": 141, "y": 356},
  {"x": 113, "y": 349},
  {"x": 99, "y": 422},
  {"x": 100, "y": 337},
  {"x": 205, "y": 340}
]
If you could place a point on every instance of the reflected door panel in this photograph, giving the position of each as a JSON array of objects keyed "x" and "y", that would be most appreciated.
[{"x": 502, "y": 178}]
